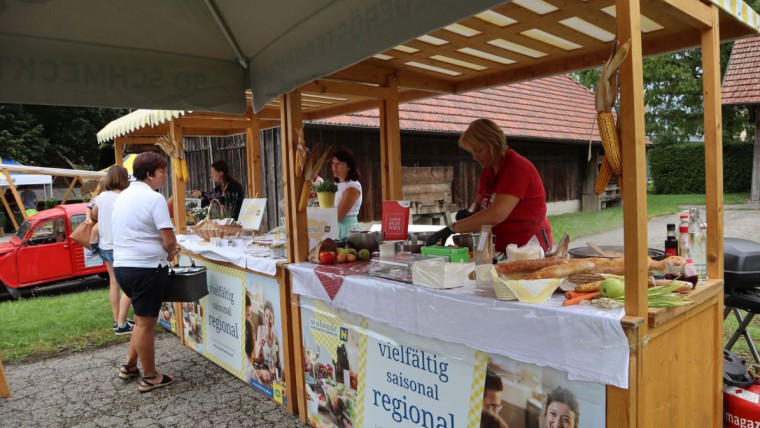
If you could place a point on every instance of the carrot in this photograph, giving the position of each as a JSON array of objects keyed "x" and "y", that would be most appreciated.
[
  {"x": 576, "y": 300},
  {"x": 572, "y": 294}
]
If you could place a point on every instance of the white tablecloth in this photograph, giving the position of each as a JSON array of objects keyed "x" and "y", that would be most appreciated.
[
  {"x": 234, "y": 255},
  {"x": 586, "y": 342}
]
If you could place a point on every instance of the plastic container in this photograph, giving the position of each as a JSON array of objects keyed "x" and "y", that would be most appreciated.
[
  {"x": 387, "y": 250},
  {"x": 455, "y": 254},
  {"x": 438, "y": 274}
]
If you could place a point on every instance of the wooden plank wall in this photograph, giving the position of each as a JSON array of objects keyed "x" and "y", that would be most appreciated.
[{"x": 561, "y": 165}]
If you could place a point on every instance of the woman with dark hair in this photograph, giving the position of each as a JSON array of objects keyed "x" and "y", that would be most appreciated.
[
  {"x": 348, "y": 198},
  {"x": 143, "y": 241},
  {"x": 100, "y": 210},
  {"x": 562, "y": 409},
  {"x": 227, "y": 190},
  {"x": 267, "y": 347}
]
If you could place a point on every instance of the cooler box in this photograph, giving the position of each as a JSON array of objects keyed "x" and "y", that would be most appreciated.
[{"x": 741, "y": 263}]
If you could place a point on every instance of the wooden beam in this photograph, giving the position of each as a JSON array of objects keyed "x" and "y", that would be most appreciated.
[
  {"x": 8, "y": 210},
  {"x": 179, "y": 187},
  {"x": 95, "y": 192},
  {"x": 118, "y": 151},
  {"x": 212, "y": 123},
  {"x": 253, "y": 157},
  {"x": 297, "y": 237},
  {"x": 713, "y": 147},
  {"x": 694, "y": 12},
  {"x": 138, "y": 140},
  {"x": 331, "y": 87},
  {"x": 14, "y": 191},
  {"x": 68, "y": 191},
  {"x": 631, "y": 120},
  {"x": 5, "y": 391},
  {"x": 755, "y": 194},
  {"x": 370, "y": 72},
  {"x": 390, "y": 144}
]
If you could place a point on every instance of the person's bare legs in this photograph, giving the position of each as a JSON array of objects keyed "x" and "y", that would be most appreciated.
[
  {"x": 142, "y": 345},
  {"x": 124, "y": 304},
  {"x": 113, "y": 294}
]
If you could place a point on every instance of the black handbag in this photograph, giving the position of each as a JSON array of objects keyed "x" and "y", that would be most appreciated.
[{"x": 186, "y": 283}]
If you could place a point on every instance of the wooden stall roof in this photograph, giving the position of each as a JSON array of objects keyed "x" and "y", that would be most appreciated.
[
  {"x": 57, "y": 172},
  {"x": 556, "y": 108},
  {"x": 517, "y": 41},
  {"x": 741, "y": 84}
]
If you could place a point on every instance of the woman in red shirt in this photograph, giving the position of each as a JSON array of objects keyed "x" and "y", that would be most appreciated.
[{"x": 511, "y": 195}]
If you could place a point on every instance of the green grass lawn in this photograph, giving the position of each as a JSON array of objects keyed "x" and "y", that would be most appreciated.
[
  {"x": 589, "y": 223},
  {"x": 51, "y": 324},
  {"x": 740, "y": 348}
]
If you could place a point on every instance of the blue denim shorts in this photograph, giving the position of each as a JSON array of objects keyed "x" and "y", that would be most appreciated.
[{"x": 106, "y": 255}]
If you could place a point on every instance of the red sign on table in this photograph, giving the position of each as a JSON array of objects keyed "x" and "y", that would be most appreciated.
[{"x": 395, "y": 220}]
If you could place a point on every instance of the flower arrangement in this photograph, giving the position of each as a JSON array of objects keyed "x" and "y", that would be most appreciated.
[{"x": 326, "y": 186}]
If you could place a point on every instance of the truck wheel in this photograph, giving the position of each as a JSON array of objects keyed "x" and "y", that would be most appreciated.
[{"x": 104, "y": 275}]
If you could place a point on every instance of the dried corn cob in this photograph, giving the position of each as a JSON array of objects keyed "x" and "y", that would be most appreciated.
[
  {"x": 610, "y": 140},
  {"x": 177, "y": 167},
  {"x": 603, "y": 179},
  {"x": 185, "y": 171}
]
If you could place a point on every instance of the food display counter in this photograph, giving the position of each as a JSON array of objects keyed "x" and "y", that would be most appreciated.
[
  {"x": 243, "y": 324},
  {"x": 374, "y": 350}
]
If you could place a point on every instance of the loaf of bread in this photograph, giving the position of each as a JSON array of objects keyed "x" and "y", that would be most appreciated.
[
  {"x": 584, "y": 277},
  {"x": 589, "y": 287},
  {"x": 527, "y": 266},
  {"x": 562, "y": 270}
]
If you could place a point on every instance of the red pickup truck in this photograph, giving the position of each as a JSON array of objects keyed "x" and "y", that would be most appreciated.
[{"x": 41, "y": 251}]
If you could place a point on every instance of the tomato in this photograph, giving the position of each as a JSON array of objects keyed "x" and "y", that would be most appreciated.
[{"x": 327, "y": 257}]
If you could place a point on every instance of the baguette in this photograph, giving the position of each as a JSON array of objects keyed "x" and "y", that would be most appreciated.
[
  {"x": 670, "y": 262},
  {"x": 527, "y": 266},
  {"x": 561, "y": 271},
  {"x": 584, "y": 277}
]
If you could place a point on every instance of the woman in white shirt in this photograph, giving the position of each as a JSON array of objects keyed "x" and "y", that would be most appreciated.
[
  {"x": 116, "y": 180},
  {"x": 348, "y": 199},
  {"x": 143, "y": 242}
]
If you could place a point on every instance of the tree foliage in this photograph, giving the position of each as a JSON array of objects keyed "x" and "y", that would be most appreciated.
[
  {"x": 45, "y": 135},
  {"x": 673, "y": 97}
]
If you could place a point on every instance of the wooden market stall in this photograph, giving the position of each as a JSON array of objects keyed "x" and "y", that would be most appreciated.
[
  {"x": 675, "y": 368},
  {"x": 77, "y": 175}
]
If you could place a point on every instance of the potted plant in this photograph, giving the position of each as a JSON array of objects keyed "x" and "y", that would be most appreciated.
[{"x": 326, "y": 193}]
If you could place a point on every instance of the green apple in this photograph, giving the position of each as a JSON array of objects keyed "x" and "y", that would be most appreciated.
[
  {"x": 612, "y": 288},
  {"x": 363, "y": 254},
  {"x": 352, "y": 251},
  {"x": 343, "y": 251}
]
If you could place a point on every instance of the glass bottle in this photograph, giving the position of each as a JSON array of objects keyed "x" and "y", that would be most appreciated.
[
  {"x": 671, "y": 242},
  {"x": 697, "y": 244},
  {"x": 683, "y": 236}
]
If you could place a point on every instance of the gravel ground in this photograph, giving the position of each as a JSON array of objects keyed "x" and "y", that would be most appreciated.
[
  {"x": 82, "y": 390},
  {"x": 739, "y": 221}
]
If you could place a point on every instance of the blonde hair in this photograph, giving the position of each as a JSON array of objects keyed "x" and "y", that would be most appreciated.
[{"x": 484, "y": 133}]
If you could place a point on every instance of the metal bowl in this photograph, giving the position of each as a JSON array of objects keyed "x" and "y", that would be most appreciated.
[
  {"x": 419, "y": 237},
  {"x": 365, "y": 241},
  {"x": 613, "y": 250}
]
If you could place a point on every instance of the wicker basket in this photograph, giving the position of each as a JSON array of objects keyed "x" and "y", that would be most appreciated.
[{"x": 208, "y": 229}]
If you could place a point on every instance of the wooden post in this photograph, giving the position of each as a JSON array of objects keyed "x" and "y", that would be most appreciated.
[
  {"x": 756, "y": 158},
  {"x": 713, "y": 147},
  {"x": 118, "y": 150},
  {"x": 178, "y": 186},
  {"x": 68, "y": 191},
  {"x": 631, "y": 119},
  {"x": 95, "y": 192},
  {"x": 5, "y": 391},
  {"x": 253, "y": 156},
  {"x": 390, "y": 143},
  {"x": 8, "y": 210},
  {"x": 295, "y": 223},
  {"x": 16, "y": 196}
]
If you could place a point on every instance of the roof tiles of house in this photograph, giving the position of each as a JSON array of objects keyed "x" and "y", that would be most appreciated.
[
  {"x": 741, "y": 85},
  {"x": 557, "y": 108}
]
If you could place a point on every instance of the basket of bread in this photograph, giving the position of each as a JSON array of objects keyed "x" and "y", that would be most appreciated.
[{"x": 534, "y": 281}]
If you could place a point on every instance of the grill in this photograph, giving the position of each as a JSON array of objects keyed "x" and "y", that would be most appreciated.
[{"x": 741, "y": 264}]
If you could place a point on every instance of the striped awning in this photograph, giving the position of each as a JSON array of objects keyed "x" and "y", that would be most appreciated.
[
  {"x": 741, "y": 11},
  {"x": 138, "y": 119}
]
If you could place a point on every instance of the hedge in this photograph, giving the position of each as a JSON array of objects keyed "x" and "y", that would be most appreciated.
[{"x": 680, "y": 168}]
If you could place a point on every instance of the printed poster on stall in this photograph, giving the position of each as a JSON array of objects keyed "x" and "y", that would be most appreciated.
[
  {"x": 167, "y": 317},
  {"x": 225, "y": 306},
  {"x": 321, "y": 223},
  {"x": 193, "y": 316},
  {"x": 360, "y": 373},
  {"x": 395, "y": 223},
  {"x": 251, "y": 213},
  {"x": 264, "y": 363}
]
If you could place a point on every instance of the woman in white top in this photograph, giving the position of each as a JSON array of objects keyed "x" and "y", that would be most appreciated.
[
  {"x": 267, "y": 348},
  {"x": 143, "y": 241},
  {"x": 348, "y": 199},
  {"x": 116, "y": 180}
]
